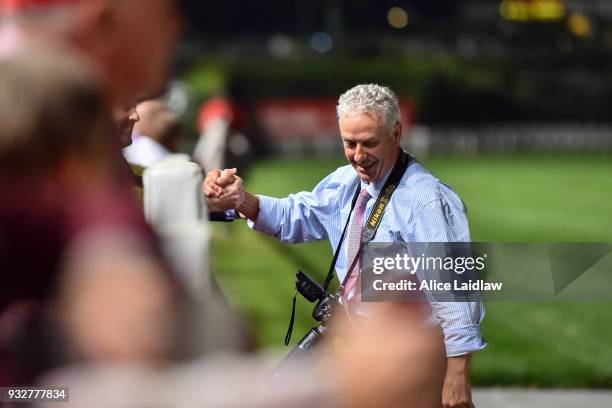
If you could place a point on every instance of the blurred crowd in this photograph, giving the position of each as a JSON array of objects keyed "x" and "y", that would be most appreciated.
[{"x": 88, "y": 300}]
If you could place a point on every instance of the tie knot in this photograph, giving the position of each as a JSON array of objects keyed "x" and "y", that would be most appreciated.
[
  {"x": 363, "y": 195},
  {"x": 363, "y": 198}
]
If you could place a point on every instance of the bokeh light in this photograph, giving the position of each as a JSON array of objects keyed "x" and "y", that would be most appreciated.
[
  {"x": 579, "y": 25},
  {"x": 397, "y": 17},
  {"x": 321, "y": 42}
]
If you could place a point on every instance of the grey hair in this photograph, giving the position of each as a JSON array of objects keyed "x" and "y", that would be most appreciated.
[{"x": 370, "y": 98}]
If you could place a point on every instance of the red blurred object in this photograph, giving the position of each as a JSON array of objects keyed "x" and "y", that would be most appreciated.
[
  {"x": 311, "y": 118},
  {"x": 20, "y": 5},
  {"x": 215, "y": 108}
]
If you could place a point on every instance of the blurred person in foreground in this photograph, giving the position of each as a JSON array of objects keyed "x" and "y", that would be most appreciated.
[
  {"x": 110, "y": 34},
  {"x": 396, "y": 362},
  {"x": 422, "y": 209},
  {"x": 83, "y": 277},
  {"x": 156, "y": 135}
]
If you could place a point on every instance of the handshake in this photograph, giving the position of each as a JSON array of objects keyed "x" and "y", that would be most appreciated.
[{"x": 224, "y": 190}]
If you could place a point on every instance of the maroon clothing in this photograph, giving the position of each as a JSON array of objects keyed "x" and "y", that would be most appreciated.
[
  {"x": 37, "y": 226},
  {"x": 35, "y": 230}
]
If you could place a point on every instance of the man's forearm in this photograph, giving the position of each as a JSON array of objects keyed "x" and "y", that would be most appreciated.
[{"x": 250, "y": 206}]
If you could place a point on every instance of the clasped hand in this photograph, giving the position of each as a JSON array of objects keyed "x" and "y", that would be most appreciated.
[{"x": 223, "y": 190}]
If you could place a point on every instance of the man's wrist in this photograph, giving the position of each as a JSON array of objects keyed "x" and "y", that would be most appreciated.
[
  {"x": 249, "y": 207},
  {"x": 458, "y": 365}
]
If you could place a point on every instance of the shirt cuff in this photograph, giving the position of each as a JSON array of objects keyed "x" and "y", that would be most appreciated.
[
  {"x": 463, "y": 340},
  {"x": 269, "y": 217}
]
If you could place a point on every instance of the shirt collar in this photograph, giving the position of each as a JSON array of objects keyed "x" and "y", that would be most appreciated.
[{"x": 375, "y": 188}]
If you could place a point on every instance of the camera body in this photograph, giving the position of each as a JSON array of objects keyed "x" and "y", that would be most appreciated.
[
  {"x": 313, "y": 292},
  {"x": 308, "y": 287},
  {"x": 322, "y": 312}
]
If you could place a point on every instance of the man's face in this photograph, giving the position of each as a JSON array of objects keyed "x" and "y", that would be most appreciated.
[
  {"x": 368, "y": 146},
  {"x": 125, "y": 117}
]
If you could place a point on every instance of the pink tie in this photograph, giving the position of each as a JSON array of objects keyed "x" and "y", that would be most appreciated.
[{"x": 354, "y": 240}]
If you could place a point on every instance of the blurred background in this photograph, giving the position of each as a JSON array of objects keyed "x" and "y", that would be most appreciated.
[{"x": 507, "y": 101}]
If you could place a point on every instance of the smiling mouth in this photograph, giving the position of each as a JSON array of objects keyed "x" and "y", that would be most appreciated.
[{"x": 364, "y": 168}]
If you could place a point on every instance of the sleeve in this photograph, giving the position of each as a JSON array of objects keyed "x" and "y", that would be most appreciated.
[
  {"x": 443, "y": 221},
  {"x": 301, "y": 217}
]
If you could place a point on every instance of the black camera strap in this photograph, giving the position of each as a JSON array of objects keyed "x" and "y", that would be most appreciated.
[
  {"x": 330, "y": 272},
  {"x": 291, "y": 321},
  {"x": 369, "y": 229}
]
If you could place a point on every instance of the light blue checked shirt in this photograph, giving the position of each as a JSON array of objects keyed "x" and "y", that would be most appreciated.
[{"x": 422, "y": 209}]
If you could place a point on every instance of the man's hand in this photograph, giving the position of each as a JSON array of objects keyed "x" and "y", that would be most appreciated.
[
  {"x": 457, "y": 391},
  {"x": 223, "y": 190}
]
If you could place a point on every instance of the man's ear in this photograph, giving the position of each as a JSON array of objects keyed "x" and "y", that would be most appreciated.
[{"x": 397, "y": 132}]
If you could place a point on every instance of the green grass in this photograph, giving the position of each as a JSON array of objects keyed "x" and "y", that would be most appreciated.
[{"x": 510, "y": 199}]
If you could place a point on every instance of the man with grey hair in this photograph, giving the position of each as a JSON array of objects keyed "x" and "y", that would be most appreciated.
[{"x": 421, "y": 209}]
